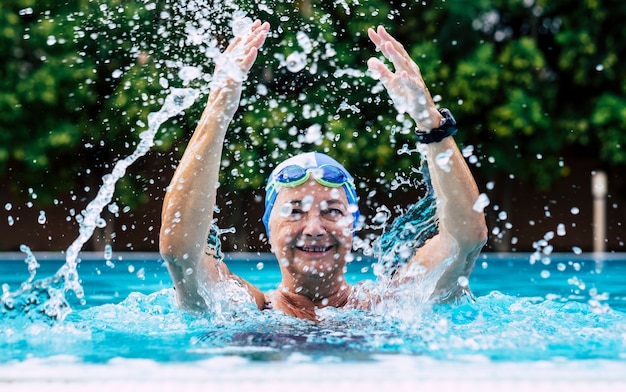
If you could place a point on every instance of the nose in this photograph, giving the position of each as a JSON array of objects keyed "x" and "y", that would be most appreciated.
[{"x": 313, "y": 226}]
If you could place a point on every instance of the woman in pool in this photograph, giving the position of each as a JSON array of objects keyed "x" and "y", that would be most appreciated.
[{"x": 311, "y": 201}]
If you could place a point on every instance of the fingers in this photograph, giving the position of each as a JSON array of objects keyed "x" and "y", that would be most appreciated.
[
  {"x": 391, "y": 48},
  {"x": 258, "y": 34},
  {"x": 246, "y": 62},
  {"x": 254, "y": 42},
  {"x": 243, "y": 50},
  {"x": 256, "y": 38},
  {"x": 376, "y": 39},
  {"x": 378, "y": 69}
]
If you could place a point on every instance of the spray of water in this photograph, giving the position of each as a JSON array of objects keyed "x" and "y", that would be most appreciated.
[{"x": 48, "y": 296}]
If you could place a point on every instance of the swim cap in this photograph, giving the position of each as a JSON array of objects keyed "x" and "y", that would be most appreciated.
[{"x": 308, "y": 160}]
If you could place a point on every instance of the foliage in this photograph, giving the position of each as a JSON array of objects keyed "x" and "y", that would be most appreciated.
[{"x": 527, "y": 81}]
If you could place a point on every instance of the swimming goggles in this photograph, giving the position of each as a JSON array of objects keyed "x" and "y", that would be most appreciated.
[{"x": 326, "y": 175}]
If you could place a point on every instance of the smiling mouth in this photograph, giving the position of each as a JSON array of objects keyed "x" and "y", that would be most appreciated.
[{"x": 315, "y": 249}]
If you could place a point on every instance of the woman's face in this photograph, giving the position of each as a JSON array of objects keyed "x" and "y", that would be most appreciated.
[{"x": 311, "y": 230}]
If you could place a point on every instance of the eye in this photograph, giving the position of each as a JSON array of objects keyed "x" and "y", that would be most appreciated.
[
  {"x": 334, "y": 213},
  {"x": 296, "y": 213},
  {"x": 291, "y": 211}
]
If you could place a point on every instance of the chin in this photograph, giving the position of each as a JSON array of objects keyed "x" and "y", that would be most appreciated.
[{"x": 322, "y": 266}]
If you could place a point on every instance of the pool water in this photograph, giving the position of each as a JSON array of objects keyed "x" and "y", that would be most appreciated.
[{"x": 557, "y": 322}]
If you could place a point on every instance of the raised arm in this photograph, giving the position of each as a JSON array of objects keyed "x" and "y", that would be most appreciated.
[
  {"x": 190, "y": 200},
  {"x": 462, "y": 230}
]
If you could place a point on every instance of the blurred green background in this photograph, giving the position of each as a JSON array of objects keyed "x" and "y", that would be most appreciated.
[{"x": 536, "y": 87}]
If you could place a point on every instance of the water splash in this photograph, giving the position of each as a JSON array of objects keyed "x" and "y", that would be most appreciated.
[
  {"x": 47, "y": 297},
  {"x": 409, "y": 231}
]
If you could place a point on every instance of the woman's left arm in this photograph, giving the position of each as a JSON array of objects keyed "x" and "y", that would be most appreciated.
[{"x": 462, "y": 230}]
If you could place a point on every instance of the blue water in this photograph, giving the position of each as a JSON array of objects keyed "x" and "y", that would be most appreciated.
[{"x": 572, "y": 309}]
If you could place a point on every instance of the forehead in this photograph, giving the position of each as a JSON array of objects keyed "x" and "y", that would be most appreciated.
[{"x": 313, "y": 189}]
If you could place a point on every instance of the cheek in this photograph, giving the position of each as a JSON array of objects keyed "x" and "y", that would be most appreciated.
[
  {"x": 343, "y": 231},
  {"x": 280, "y": 239}
]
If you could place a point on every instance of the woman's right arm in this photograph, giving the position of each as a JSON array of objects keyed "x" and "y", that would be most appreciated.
[{"x": 190, "y": 199}]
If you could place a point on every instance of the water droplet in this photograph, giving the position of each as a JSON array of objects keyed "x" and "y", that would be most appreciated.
[
  {"x": 163, "y": 82},
  {"x": 313, "y": 134},
  {"x": 100, "y": 223},
  {"x": 113, "y": 208},
  {"x": 8, "y": 206},
  {"x": 260, "y": 266},
  {"x": 577, "y": 250},
  {"x": 42, "y": 217},
  {"x": 545, "y": 274},
  {"x": 379, "y": 218},
  {"x": 560, "y": 229},
  {"x": 443, "y": 160},
  {"x": 304, "y": 41},
  {"x": 10, "y": 220},
  {"x": 574, "y": 210},
  {"x": 296, "y": 62},
  {"x": 108, "y": 252},
  {"x": 307, "y": 203},
  {"x": 189, "y": 73},
  {"x": 285, "y": 210},
  {"x": 481, "y": 202},
  {"x": 241, "y": 24},
  {"x": 599, "y": 67}
]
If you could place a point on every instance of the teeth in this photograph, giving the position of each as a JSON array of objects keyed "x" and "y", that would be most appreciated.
[{"x": 314, "y": 248}]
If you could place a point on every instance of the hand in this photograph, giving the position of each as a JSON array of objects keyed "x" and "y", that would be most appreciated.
[
  {"x": 405, "y": 86},
  {"x": 232, "y": 66}
]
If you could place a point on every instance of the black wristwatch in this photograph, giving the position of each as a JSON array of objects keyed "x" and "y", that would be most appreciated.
[{"x": 445, "y": 129}]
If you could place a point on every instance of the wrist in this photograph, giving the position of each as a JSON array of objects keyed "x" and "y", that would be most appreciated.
[{"x": 447, "y": 127}]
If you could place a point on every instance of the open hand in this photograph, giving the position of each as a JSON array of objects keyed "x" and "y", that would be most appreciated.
[
  {"x": 405, "y": 86},
  {"x": 232, "y": 66}
]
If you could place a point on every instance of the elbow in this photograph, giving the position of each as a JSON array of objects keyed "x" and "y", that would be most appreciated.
[
  {"x": 171, "y": 249},
  {"x": 475, "y": 234},
  {"x": 482, "y": 234},
  {"x": 165, "y": 245}
]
